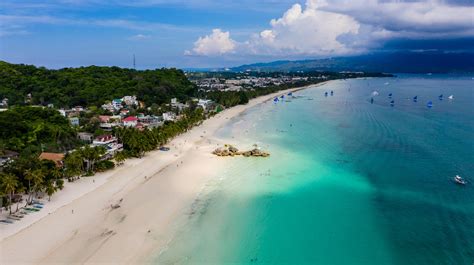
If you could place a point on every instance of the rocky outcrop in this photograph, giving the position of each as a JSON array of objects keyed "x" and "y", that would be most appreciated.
[{"x": 229, "y": 150}]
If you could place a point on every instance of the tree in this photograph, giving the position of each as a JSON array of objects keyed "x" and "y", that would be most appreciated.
[
  {"x": 50, "y": 189},
  {"x": 120, "y": 158},
  {"x": 9, "y": 184},
  {"x": 73, "y": 164}
]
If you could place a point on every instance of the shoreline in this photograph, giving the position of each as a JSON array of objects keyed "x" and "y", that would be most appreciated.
[{"x": 153, "y": 192}]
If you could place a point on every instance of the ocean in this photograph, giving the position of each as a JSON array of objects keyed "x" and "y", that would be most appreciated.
[{"x": 349, "y": 181}]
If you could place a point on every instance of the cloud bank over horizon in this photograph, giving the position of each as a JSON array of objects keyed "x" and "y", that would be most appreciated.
[
  {"x": 222, "y": 33},
  {"x": 344, "y": 27}
]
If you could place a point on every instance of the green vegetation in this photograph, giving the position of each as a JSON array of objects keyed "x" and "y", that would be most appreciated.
[
  {"x": 32, "y": 129},
  {"x": 90, "y": 86},
  {"x": 136, "y": 142}
]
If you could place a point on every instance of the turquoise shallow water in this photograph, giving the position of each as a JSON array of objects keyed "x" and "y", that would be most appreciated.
[{"x": 348, "y": 182}]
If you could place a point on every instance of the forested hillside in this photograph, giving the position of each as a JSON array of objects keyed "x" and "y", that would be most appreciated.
[{"x": 90, "y": 86}]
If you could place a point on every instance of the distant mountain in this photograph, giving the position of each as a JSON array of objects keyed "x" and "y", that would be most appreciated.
[{"x": 406, "y": 62}]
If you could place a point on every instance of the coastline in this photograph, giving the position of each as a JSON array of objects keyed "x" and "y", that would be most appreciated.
[{"x": 79, "y": 225}]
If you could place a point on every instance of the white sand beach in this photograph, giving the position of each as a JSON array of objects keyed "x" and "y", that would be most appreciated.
[{"x": 80, "y": 226}]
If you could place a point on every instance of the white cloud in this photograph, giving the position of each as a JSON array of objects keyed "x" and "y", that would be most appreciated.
[
  {"x": 139, "y": 37},
  {"x": 336, "y": 27},
  {"x": 217, "y": 43},
  {"x": 306, "y": 31}
]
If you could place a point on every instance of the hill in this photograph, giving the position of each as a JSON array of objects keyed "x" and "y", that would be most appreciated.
[
  {"x": 406, "y": 62},
  {"x": 90, "y": 86}
]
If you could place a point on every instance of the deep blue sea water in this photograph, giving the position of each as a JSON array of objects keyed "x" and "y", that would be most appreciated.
[{"x": 347, "y": 182}]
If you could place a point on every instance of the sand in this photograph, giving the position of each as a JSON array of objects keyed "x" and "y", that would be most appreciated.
[{"x": 80, "y": 226}]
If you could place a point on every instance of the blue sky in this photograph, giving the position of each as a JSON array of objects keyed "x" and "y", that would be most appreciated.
[{"x": 214, "y": 33}]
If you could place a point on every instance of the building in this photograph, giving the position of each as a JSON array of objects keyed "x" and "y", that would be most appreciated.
[
  {"x": 130, "y": 100},
  {"x": 108, "y": 122},
  {"x": 117, "y": 103},
  {"x": 150, "y": 121},
  {"x": 104, "y": 139},
  {"x": 205, "y": 104},
  {"x": 7, "y": 156},
  {"x": 110, "y": 143},
  {"x": 57, "y": 158},
  {"x": 130, "y": 121},
  {"x": 85, "y": 137},
  {"x": 74, "y": 121},
  {"x": 169, "y": 116}
]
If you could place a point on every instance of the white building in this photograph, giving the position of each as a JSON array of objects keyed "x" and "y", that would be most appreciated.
[{"x": 169, "y": 116}]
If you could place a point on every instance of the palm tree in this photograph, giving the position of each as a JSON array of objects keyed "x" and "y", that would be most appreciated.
[
  {"x": 37, "y": 179},
  {"x": 50, "y": 189},
  {"x": 9, "y": 185},
  {"x": 73, "y": 164},
  {"x": 119, "y": 158}
]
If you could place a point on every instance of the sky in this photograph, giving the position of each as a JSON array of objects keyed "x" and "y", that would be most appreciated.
[{"x": 222, "y": 33}]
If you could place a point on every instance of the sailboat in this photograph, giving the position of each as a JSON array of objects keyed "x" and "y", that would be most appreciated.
[
  {"x": 451, "y": 97},
  {"x": 275, "y": 100},
  {"x": 415, "y": 99},
  {"x": 390, "y": 95},
  {"x": 325, "y": 94},
  {"x": 440, "y": 97},
  {"x": 429, "y": 104},
  {"x": 392, "y": 103}
]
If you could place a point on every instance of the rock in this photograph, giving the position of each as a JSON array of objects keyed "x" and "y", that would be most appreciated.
[{"x": 229, "y": 150}]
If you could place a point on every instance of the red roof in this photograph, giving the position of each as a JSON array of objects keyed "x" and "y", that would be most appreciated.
[
  {"x": 104, "y": 118},
  {"x": 131, "y": 118}
]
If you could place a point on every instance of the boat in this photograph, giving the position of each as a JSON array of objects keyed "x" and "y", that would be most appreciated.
[
  {"x": 290, "y": 94},
  {"x": 372, "y": 101},
  {"x": 325, "y": 94},
  {"x": 440, "y": 97},
  {"x": 429, "y": 104},
  {"x": 164, "y": 148},
  {"x": 459, "y": 180},
  {"x": 415, "y": 99},
  {"x": 275, "y": 100},
  {"x": 282, "y": 96},
  {"x": 6, "y": 221},
  {"x": 451, "y": 97},
  {"x": 375, "y": 93},
  {"x": 390, "y": 95},
  {"x": 392, "y": 103},
  {"x": 332, "y": 92}
]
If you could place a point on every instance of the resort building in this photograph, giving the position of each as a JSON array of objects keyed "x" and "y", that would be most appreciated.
[
  {"x": 74, "y": 121},
  {"x": 85, "y": 137},
  {"x": 57, "y": 158},
  {"x": 169, "y": 116},
  {"x": 110, "y": 143},
  {"x": 130, "y": 121}
]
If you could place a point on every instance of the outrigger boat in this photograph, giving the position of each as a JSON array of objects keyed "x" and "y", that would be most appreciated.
[{"x": 459, "y": 180}]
